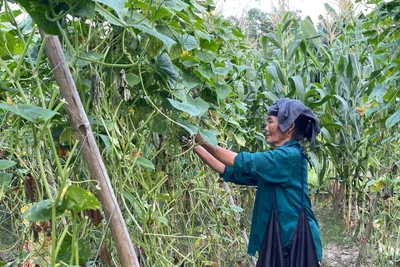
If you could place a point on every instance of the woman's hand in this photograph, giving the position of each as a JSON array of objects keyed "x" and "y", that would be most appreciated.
[{"x": 199, "y": 139}]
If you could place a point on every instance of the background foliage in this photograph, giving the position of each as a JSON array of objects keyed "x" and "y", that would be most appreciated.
[{"x": 149, "y": 72}]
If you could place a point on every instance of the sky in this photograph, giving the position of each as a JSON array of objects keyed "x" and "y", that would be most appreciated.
[{"x": 312, "y": 8}]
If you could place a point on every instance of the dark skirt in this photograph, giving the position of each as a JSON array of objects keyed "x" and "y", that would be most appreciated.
[{"x": 299, "y": 253}]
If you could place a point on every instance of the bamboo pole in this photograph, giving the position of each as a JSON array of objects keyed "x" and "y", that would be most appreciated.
[{"x": 83, "y": 132}]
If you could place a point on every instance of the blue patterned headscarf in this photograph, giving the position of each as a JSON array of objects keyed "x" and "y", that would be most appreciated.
[{"x": 288, "y": 110}]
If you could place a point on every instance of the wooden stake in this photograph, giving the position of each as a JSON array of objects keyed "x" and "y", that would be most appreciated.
[{"x": 83, "y": 132}]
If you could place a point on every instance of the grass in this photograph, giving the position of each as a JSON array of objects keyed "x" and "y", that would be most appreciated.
[{"x": 332, "y": 228}]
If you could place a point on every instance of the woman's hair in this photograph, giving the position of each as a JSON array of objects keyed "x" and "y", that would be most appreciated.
[{"x": 302, "y": 128}]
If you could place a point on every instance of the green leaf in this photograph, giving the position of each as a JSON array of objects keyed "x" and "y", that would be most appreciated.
[
  {"x": 272, "y": 72},
  {"x": 189, "y": 42},
  {"x": 376, "y": 185},
  {"x": 270, "y": 96},
  {"x": 106, "y": 141},
  {"x": 205, "y": 56},
  {"x": 222, "y": 89},
  {"x": 194, "y": 107},
  {"x": 79, "y": 199},
  {"x": 160, "y": 12},
  {"x": 153, "y": 32},
  {"x": 84, "y": 9},
  {"x": 145, "y": 163},
  {"x": 64, "y": 253},
  {"x": 5, "y": 164},
  {"x": 292, "y": 49},
  {"x": 132, "y": 79},
  {"x": 190, "y": 128},
  {"x": 205, "y": 71},
  {"x": 236, "y": 208},
  {"x": 5, "y": 181},
  {"x": 314, "y": 161},
  {"x": 210, "y": 136},
  {"x": 297, "y": 83},
  {"x": 193, "y": 111},
  {"x": 4, "y": 17},
  {"x": 165, "y": 66},
  {"x": 176, "y": 5},
  {"x": 162, "y": 220},
  {"x": 31, "y": 113},
  {"x": 392, "y": 120},
  {"x": 309, "y": 31},
  {"x": 109, "y": 18},
  {"x": 221, "y": 70},
  {"x": 378, "y": 91},
  {"x": 203, "y": 35},
  {"x": 274, "y": 39},
  {"x": 240, "y": 140},
  {"x": 37, "y": 11},
  {"x": 42, "y": 211},
  {"x": 264, "y": 45},
  {"x": 10, "y": 43},
  {"x": 117, "y": 5},
  {"x": 6, "y": 89},
  {"x": 190, "y": 80}
]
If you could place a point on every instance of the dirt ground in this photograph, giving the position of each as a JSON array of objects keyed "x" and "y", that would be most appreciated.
[{"x": 334, "y": 255}]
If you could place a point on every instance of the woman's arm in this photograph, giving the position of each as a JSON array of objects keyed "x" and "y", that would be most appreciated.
[
  {"x": 209, "y": 159},
  {"x": 220, "y": 167},
  {"x": 223, "y": 155}
]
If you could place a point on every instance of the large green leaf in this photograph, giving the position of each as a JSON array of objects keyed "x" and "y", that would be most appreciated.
[
  {"x": 64, "y": 253},
  {"x": 205, "y": 56},
  {"x": 190, "y": 80},
  {"x": 194, "y": 107},
  {"x": 393, "y": 119},
  {"x": 190, "y": 128},
  {"x": 10, "y": 43},
  {"x": 132, "y": 79},
  {"x": 117, "y": 5},
  {"x": 5, "y": 164},
  {"x": 36, "y": 10},
  {"x": 292, "y": 49},
  {"x": 189, "y": 42},
  {"x": 85, "y": 9},
  {"x": 42, "y": 211},
  {"x": 274, "y": 39},
  {"x": 5, "y": 181},
  {"x": 31, "y": 113},
  {"x": 309, "y": 31},
  {"x": 78, "y": 199},
  {"x": 145, "y": 26},
  {"x": 222, "y": 89},
  {"x": 153, "y": 32},
  {"x": 210, "y": 136},
  {"x": 297, "y": 83},
  {"x": 264, "y": 45},
  {"x": 221, "y": 69},
  {"x": 145, "y": 163},
  {"x": 165, "y": 67},
  {"x": 205, "y": 71}
]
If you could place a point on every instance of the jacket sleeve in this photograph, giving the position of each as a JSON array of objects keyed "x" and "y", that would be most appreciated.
[
  {"x": 274, "y": 166},
  {"x": 230, "y": 176}
]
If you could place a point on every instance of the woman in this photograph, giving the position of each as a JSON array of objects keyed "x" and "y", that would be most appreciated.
[{"x": 280, "y": 176}]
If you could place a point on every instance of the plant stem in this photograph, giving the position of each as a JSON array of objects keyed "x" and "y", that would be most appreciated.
[{"x": 40, "y": 163}]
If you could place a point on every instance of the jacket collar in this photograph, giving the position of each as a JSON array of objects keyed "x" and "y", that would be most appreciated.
[{"x": 292, "y": 142}]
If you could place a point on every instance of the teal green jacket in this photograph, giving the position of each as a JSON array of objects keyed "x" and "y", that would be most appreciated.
[{"x": 279, "y": 169}]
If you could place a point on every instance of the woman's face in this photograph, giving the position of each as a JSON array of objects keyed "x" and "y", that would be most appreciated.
[{"x": 273, "y": 134}]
